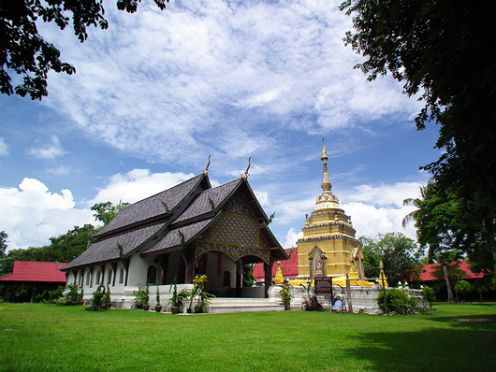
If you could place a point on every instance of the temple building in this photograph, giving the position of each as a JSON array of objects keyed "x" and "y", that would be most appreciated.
[
  {"x": 178, "y": 233},
  {"x": 328, "y": 246}
]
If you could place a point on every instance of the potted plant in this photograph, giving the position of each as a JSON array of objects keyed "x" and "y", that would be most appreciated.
[
  {"x": 203, "y": 296},
  {"x": 177, "y": 298},
  {"x": 158, "y": 307},
  {"x": 146, "y": 299},
  {"x": 286, "y": 296}
]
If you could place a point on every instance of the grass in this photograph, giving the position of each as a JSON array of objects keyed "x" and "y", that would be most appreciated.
[{"x": 40, "y": 337}]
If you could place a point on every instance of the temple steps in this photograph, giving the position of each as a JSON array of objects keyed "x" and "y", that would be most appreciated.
[{"x": 236, "y": 305}]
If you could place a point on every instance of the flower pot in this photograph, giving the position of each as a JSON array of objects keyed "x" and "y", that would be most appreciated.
[
  {"x": 287, "y": 306},
  {"x": 175, "y": 309},
  {"x": 146, "y": 307},
  {"x": 158, "y": 308}
]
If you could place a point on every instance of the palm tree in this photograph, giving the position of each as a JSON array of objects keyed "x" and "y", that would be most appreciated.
[{"x": 417, "y": 203}]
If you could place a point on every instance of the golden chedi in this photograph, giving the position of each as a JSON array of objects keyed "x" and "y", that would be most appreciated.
[{"x": 328, "y": 246}]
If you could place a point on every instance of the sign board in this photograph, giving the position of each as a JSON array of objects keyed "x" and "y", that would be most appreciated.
[{"x": 323, "y": 285}]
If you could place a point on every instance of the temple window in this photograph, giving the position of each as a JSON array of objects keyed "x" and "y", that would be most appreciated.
[
  {"x": 151, "y": 276},
  {"x": 88, "y": 278},
  {"x": 97, "y": 281},
  {"x": 121, "y": 275},
  {"x": 109, "y": 277},
  {"x": 226, "y": 280}
]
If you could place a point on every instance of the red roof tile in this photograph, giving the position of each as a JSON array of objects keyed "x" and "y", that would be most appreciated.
[
  {"x": 289, "y": 267},
  {"x": 30, "y": 271},
  {"x": 427, "y": 272}
]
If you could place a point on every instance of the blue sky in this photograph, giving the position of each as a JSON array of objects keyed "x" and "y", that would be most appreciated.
[{"x": 159, "y": 91}]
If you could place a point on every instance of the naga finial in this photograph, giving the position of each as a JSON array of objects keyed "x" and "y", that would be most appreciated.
[
  {"x": 205, "y": 172},
  {"x": 245, "y": 174},
  {"x": 119, "y": 247},
  {"x": 164, "y": 204},
  {"x": 182, "y": 236}
]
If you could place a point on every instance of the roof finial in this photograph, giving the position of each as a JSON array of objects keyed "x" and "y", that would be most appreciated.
[
  {"x": 205, "y": 172},
  {"x": 326, "y": 184},
  {"x": 244, "y": 175}
]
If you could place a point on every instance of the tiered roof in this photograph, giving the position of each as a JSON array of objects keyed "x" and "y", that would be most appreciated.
[{"x": 167, "y": 221}]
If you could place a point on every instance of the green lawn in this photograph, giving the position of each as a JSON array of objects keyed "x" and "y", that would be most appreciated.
[{"x": 40, "y": 337}]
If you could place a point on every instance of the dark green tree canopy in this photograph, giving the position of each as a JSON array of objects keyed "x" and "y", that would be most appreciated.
[
  {"x": 104, "y": 212},
  {"x": 3, "y": 243},
  {"x": 400, "y": 255},
  {"x": 442, "y": 50},
  {"x": 24, "y": 52}
]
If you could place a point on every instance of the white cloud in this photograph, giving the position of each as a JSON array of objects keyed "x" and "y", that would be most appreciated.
[
  {"x": 137, "y": 184},
  {"x": 50, "y": 151},
  {"x": 291, "y": 237},
  {"x": 31, "y": 213},
  {"x": 60, "y": 170},
  {"x": 174, "y": 85},
  {"x": 374, "y": 209},
  {"x": 263, "y": 197},
  {"x": 4, "y": 150}
]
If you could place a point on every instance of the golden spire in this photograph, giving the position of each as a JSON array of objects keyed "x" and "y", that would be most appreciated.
[{"x": 326, "y": 184}]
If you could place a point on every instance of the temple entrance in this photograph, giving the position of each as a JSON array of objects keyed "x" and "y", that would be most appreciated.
[{"x": 226, "y": 277}]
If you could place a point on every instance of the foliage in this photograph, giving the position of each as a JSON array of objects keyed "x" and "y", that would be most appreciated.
[
  {"x": 286, "y": 295},
  {"x": 201, "y": 294},
  {"x": 399, "y": 253},
  {"x": 63, "y": 248},
  {"x": 157, "y": 297},
  {"x": 312, "y": 303},
  {"x": 97, "y": 301},
  {"x": 25, "y": 52},
  {"x": 105, "y": 212},
  {"x": 107, "y": 300},
  {"x": 141, "y": 297},
  {"x": 397, "y": 301},
  {"x": 462, "y": 287},
  {"x": 428, "y": 293},
  {"x": 3, "y": 243},
  {"x": 248, "y": 278},
  {"x": 73, "y": 295},
  {"x": 439, "y": 50}
]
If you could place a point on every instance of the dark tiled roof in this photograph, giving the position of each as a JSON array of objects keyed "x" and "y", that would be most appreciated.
[
  {"x": 174, "y": 238},
  {"x": 152, "y": 206},
  {"x": 208, "y": 200},
  {"x": 107, "y": 249}
]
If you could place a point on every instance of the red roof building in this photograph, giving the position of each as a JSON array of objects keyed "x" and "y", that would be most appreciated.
[
  {"x": 36, "y": 272},
  {"x": 289, "y": 267},
  {"x": 427, "y": 272}
]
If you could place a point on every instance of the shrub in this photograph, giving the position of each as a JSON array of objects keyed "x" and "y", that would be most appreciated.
[
  {"x": 97, "y": 300},
  {"x": 107, "y": 301},
  {"x": 428, "y": 293},
  {"x": 397, "y": 301},
  {"x": 462, "y": 287},
  {"x": 73, "y": 296},
  {"x": 286, "y": 295},
  {"x": 141, "y": 297}
]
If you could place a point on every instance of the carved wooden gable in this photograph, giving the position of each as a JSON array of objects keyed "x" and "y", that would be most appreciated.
[{"x": 235, "y": 233}]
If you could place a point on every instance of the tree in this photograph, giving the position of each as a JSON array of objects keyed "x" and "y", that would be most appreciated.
[
  {"x": 440, "y": 50},
  {"x": 63, "y": 248},
  {"x": 105, "y": 212},
  {"x": 462, "y": 287},
  {"x": 23, "y": 50},
  {"x": 3, "y": 243},
  {"x": 399, "y": 253}
]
